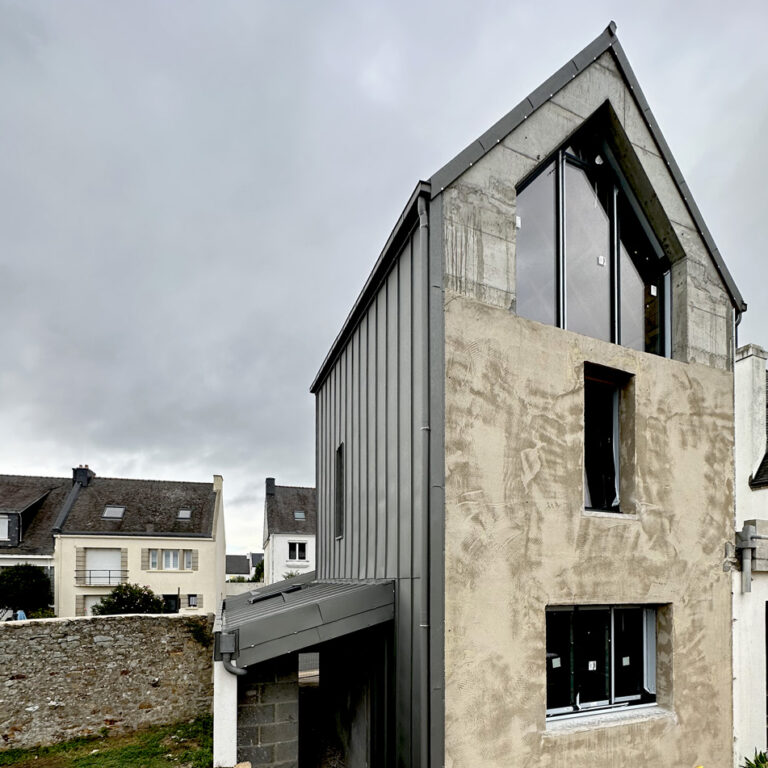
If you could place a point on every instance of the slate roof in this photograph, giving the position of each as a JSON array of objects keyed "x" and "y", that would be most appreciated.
[
  {"x": 279, "y": 509},
  {"x": 19, "y": 493},
  {"x": 605, "y": 42},
  {"x": 238, "y": 565},
  {"x": 151, "y": 506},
  {"x": 760, "y": 478}
]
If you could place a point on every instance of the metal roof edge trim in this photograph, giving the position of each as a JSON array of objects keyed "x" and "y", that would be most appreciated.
[
  {"x": 541, "y": 94},
  {"x": 677, "y": 175},
  {"x": 380, "y": 269}
]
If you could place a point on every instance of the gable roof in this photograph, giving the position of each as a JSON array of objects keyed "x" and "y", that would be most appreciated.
[
  {"x": 151, "y": 507},
  {"x": 20, "y": 494},
  {"x": 279, "y": 511},
  {"x": 605, "y": 42}
]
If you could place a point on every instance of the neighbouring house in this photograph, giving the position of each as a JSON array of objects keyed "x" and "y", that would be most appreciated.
[
  {"x": 290, "y": 525},
  {"x": 750, "y": 582},
  {"x": 28, "y": 510},
  {"x": 524, "y": 470},
  {"x": 167, "y": 535},
  {"x": 93, "y": 533}
]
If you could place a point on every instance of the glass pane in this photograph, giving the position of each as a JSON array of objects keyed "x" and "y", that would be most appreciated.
[
  {"x": 641, "y": 285},
  {"x": 591, "y": 661},
  {"x": 559, "y": 666},
  {"x": 632, "y": 304},
  {"x": 587, "y": 257},
  {"x": 535, "y": 250},
  {"x": 600, "y": 444},
  {"x": 628, "y": 652}
]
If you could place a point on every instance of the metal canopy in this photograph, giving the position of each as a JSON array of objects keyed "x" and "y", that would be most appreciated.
[{"x": 299, "y": 613}]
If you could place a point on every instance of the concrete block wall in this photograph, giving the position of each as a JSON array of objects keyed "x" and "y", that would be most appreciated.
[{"x": 268, "y": 714}]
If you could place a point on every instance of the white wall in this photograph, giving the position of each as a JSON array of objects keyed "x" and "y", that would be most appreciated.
[
  {"x": 276, "y": 562},
  {"x": 749, "y": 651}
]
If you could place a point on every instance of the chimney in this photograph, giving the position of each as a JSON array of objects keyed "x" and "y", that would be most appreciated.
[
  {"x": 270, "y": 486},
  {"x": 82, "y": 475}
]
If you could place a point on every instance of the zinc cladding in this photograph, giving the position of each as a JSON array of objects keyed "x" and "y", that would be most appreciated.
[
  {"x": 299, "y": 613},
  {"x": 38, "y": 499},
  {"x": 151, "y": 506},
  {"x": 280, "y": 508}
]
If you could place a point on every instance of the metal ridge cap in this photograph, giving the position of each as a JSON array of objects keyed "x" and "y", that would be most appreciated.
[{"x": 512, "y": 119}]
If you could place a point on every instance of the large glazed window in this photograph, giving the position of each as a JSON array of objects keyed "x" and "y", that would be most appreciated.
[
  {"x": 587, "y": 260},
  {"x": 600, "y": 657}
]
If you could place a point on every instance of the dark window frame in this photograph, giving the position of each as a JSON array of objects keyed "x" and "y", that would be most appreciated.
[
  {"x": 595, "y": 156},
  {"x": 608, "y": 679}
]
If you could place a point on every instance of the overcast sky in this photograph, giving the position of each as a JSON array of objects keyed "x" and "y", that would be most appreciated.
[{"x": 193, "y": 193}]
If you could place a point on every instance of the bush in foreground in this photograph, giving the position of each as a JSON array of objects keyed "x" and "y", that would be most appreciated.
[{"x": 129, "y": 598}]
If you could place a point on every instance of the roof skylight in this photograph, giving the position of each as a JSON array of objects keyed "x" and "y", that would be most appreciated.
[
  {"x": 299, "y": 515},
  {"x": 184, "y": 514},
  {"x": 113, "y": 512}
]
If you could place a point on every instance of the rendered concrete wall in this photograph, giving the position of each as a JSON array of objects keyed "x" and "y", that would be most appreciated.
[
  {"x": 518, "y": 539},
  {"x": 479, "y": 210}
]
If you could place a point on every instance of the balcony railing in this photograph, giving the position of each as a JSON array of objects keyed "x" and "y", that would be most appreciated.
[{"x": 100, "y": 577}]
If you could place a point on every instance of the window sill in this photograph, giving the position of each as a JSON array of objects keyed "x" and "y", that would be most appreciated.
[
  {"x": 611, "y": 515},
  {"x": 298, "y": 563},
  {"x": 606, "y": 719}
]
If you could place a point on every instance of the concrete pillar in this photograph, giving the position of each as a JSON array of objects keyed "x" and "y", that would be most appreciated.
[
  {"x": 224, "y": 717},
  {"x": 268, "y": 714}
]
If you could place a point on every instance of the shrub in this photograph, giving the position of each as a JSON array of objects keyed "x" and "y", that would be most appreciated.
[
  {"x": 25, "y": 587},
  {"x": 760, "y": 760},
  {"x": 129, "y": 598}
]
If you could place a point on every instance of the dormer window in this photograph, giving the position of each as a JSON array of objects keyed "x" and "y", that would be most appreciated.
[
  {"x": 112, "y": 512},
  {"x": 184, "y": 514},
  {"x": 587, "y": 259},
  {"x": 299, "y": 515}
]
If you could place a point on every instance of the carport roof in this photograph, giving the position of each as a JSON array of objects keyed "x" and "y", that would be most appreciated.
[{"x": 298, "y": 613}]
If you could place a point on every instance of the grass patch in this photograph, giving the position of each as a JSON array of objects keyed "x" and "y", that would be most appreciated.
[{"x": 183, "y": 745}]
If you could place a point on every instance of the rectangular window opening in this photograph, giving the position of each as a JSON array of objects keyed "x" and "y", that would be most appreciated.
[
  {"x": 600, "y": 658},
  {"x": 605, "y": 421},
  {"x": 4, "y": 529},
  {"x": 170, "y": 559},
  {"x": 299, "y": 515},
  {"x": 184, "y": 514},
  {"x": 192, "y": 601},
  {"x": 297, "y": 550},
  {"x": 153, "y": 560},
  {"x": 113, "y": 512},
  {"x": 339, "y": 493}
]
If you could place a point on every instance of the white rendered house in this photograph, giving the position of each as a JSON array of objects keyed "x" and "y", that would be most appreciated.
[{"x": 290, "y": 525}]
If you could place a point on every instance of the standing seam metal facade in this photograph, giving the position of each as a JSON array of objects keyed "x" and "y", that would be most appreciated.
[{"x": 371, "y": 400}]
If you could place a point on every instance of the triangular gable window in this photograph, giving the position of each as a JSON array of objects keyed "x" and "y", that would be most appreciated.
[{"x": 587, "y": 259}]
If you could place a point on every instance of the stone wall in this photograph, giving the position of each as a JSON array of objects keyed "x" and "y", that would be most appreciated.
[
  {"x": 63, "y": 678},
  {"x": 268, "y": 714}
]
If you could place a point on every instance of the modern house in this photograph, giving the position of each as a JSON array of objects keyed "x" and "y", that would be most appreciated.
[
  {"x": 290, "y": 525},
  {"x": 750, "y": 577},
  {"x": 524, "y": 468}
]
